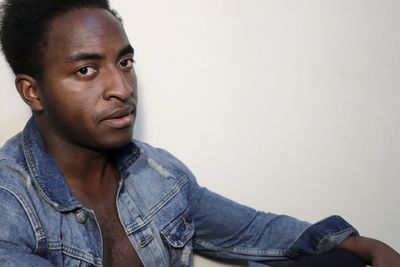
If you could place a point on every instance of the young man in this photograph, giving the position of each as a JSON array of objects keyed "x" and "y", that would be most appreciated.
[{"x": 75, "y": 190}]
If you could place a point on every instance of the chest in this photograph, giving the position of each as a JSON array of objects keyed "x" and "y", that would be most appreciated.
[
  {"x": 153, "y": 213},
  {"x": 117, "y": 248}
]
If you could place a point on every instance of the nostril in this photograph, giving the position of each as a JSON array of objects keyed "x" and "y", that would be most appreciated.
[{"x": 120, "y": 90}]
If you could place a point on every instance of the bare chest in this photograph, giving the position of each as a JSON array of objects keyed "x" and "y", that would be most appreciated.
[{"x": 117, "y": 249}]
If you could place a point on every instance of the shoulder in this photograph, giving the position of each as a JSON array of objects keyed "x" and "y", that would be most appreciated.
[
  {"x": 161, "y": 156},
  {"x": 20, "y": 226},
  {"x": 13, "y": 176},
  {"x": 152, "y": 151},
  {"x": 12, "y": 147},
  {"x": 166, "y": 164},
  {"x": 15, "y": 182},
  {"x": 11, "y": 153},
  {"x": 13, "y": 170}
]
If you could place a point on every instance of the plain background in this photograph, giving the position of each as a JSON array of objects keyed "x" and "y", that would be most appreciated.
[{"x": 287, "y": 106}]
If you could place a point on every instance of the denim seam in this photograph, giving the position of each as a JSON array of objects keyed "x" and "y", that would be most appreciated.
[
  {"x": 2, "y": 157},
  {"x": 134, "y": 227},
  {"x": 242, "y": 251},
  {"x": 32, "y": 168},
  {"x": 74, "y": 252},
  {"x": 175, "y": 190},
  {"x": 159, "y": 245},
  {"x": 33, "y": 220},
  {"x": 318, "y": 247},
  {"x": 77, "y": 254},
  {"x": 178, "y": 220},
  {"x": 299, "y": 236},
  {"x": 131, "y": 163}
]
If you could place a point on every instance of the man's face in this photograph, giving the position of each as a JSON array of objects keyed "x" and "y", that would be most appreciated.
[{"x": 89, "y": 85}]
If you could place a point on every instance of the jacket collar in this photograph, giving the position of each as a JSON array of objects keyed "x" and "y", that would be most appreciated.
[{"x": 48, "y": 177}]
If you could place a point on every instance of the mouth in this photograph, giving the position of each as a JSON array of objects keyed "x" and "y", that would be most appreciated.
[{"x": 119, "y": 118}]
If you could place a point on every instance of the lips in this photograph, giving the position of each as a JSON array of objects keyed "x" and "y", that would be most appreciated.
[{"x": 118, "y": 118}]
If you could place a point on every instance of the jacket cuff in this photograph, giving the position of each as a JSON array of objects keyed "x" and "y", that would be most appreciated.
[{"x": 321, "y": 237}]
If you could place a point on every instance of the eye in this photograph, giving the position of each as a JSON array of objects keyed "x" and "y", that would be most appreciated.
[
  {"x": 127, "y": 63},
  {"x": 86, "y": 71}
]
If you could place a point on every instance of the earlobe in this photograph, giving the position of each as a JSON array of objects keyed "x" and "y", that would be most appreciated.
[{"x": 28, "y": 89}]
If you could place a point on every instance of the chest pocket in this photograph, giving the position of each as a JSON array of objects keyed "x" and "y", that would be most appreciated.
[{"x": 178, "y": 235}]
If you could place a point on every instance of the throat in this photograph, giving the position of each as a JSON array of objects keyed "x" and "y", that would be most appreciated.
[{"x": 96, "y": 187}]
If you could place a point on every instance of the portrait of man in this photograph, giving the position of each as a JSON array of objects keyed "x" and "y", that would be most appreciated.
[{"x": 80, "y": 187}]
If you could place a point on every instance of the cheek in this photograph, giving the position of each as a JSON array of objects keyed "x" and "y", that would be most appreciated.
[
  {"x": 70, "y": 108},
  {"x": 82, "y": 112},
  {"x": 79, "y": 96}
]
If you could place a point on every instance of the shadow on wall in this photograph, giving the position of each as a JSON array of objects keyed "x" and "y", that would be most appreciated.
[{"x": 138, "y": 130}]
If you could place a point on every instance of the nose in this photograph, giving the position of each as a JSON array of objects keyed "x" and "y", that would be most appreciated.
[{"x": 119, "y": 84}]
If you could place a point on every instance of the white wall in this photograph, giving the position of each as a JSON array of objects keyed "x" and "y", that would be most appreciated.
[{"x": 287, "y": 106}]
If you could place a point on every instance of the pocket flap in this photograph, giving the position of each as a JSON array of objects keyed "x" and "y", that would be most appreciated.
[{"x": 179, "y": 231}]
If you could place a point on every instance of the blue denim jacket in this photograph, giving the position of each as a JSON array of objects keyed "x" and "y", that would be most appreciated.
[{"x": 165, "y": 213}]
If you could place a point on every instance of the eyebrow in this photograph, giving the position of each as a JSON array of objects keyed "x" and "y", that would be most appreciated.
[
  {"x": 126, "y": 50},
  {"x": 95, "y": 56},
  {"x": 84, "y": 56}
]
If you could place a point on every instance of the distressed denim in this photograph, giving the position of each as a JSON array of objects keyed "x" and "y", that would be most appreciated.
[{"x": 165, "y": 213}]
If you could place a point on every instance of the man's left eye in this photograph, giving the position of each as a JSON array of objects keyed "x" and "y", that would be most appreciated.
[{"x": 127, "y": 63}]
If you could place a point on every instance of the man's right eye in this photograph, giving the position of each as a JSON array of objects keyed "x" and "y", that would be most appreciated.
[{"x": 86, "y": 71}]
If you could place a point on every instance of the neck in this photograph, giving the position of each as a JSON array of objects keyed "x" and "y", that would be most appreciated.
[
  {"x": 90, "y": 174},
  {"x": 77, "y": 162},
  {"x": 81, "y": 166}
]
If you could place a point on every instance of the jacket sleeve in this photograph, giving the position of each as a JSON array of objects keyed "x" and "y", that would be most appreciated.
[
  {"x": 18, "y": 243},
  {"x": 224, "y": 228}
]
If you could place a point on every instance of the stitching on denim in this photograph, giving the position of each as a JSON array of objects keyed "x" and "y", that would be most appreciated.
[
  {"x": 73, "y": 252},
  {"x": 78, "y": 254},
  {"x": 32, "y": 217},
  {"x": 177, "y": 221},
  {"x": 242, "y": 251},
  {"x": 132, "y": 162},
  {"x": 299, "y": 236},
  {"x": 136, "y": 226},
  {"x": 326, "y": 237},
  {"x": 31, "y": 166}
]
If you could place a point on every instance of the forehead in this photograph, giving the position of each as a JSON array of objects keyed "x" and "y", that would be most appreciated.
[{"x": 84, "y": 30}]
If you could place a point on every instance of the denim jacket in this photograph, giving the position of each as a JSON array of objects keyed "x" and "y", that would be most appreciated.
[{"x": 163, "y": 210}]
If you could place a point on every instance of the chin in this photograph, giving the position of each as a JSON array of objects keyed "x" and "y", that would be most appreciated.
[
  {"x": 120, "y": 142},
  {"x": 114, "y": 142}
]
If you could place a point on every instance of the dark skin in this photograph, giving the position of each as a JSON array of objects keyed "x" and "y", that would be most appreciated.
[{"x": 84, "y": 107}]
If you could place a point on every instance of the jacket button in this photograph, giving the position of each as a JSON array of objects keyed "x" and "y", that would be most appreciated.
[{"x": 81, "y": 216}]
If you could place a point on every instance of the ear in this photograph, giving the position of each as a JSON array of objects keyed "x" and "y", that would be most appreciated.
[{"x": 28, "y": 89}]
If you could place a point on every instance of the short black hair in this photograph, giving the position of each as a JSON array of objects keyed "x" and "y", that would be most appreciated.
[{"x": 24, "y": 25}]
